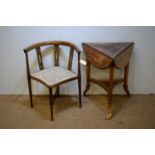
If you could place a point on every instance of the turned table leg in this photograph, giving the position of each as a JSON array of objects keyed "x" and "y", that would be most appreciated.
[
  {"x": 87, "y": 77},
  {"x": 125, "y": 85},
  {"x": 111, "y": 75}
]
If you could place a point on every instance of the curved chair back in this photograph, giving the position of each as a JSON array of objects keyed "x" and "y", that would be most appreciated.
[{"x": 56, "y": 45}]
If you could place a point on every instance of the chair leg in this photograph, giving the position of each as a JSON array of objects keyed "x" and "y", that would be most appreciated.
[
  {"x": 51, "y": 103},
  {"x": 30, "y": 91},
  {"x": 79, "y": 88}
]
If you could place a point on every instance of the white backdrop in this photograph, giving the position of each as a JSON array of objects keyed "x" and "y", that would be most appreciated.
[{"x": 12, "y": 59}]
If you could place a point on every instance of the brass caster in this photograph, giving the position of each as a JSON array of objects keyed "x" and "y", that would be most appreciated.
[{"x": 108, "y": 116}]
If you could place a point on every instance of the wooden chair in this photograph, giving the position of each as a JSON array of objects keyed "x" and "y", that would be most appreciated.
[{"x": 54, "y": 76}]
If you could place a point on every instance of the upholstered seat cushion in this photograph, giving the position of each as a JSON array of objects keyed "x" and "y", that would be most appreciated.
[{"x": 53, "y": 76}]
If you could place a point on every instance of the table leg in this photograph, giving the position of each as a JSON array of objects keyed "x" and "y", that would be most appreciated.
[
  {"x": 87, "y": 77},
  {"x": 125, "y": 85},
  {"x": 109, "y": 114}
]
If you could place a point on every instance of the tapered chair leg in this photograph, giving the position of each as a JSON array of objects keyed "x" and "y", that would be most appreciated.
[
  {"x": 79, "y": 88},
  {"x": 30, "y": 92},
  {"x": 51, "y": 103}
]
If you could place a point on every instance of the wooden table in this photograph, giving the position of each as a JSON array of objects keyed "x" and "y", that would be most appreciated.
[{"x": 108, "y": 55}]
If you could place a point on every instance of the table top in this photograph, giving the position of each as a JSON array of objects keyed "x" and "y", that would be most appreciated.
[{"x": 111, "y": 49}]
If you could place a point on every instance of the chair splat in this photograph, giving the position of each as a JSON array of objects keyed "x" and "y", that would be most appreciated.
[
  {"x": 56, "y": 55},
  {"x": 39, "y": 58}
]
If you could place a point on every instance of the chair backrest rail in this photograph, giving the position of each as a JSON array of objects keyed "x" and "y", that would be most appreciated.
[{"x": 48, "y": 43}]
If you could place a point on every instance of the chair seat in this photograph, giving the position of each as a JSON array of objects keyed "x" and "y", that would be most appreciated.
[{"x": 54, "y": 75}]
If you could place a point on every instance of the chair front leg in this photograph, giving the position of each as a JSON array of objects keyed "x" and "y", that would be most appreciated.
[
  {"x": 51, "y": 102},
  {"x": 79, "y": 88},
  {"x": 79, "y": 80},
  {"x": 30, "y": 90}
]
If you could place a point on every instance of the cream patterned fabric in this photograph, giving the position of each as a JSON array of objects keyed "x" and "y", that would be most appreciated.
[{"x": 53, "y": 75}]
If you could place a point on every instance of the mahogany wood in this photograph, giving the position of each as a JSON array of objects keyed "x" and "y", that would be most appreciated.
[
  {"x": 125, "y": 85},
  {"x": 108, "y": 55},
  {"x": 56, "y": 55},
  {"x": 51, "y": 102},
  {"x": 56, "y": 45},
  {"x": 39, "y": 58},
  {"x": 56, "y": 61},
  {"x": 29, "y": 80},
  {"x": 70, "y": 58},
  {"x": 87, "y": 76},
  {"x": 79, "y": 81}
]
